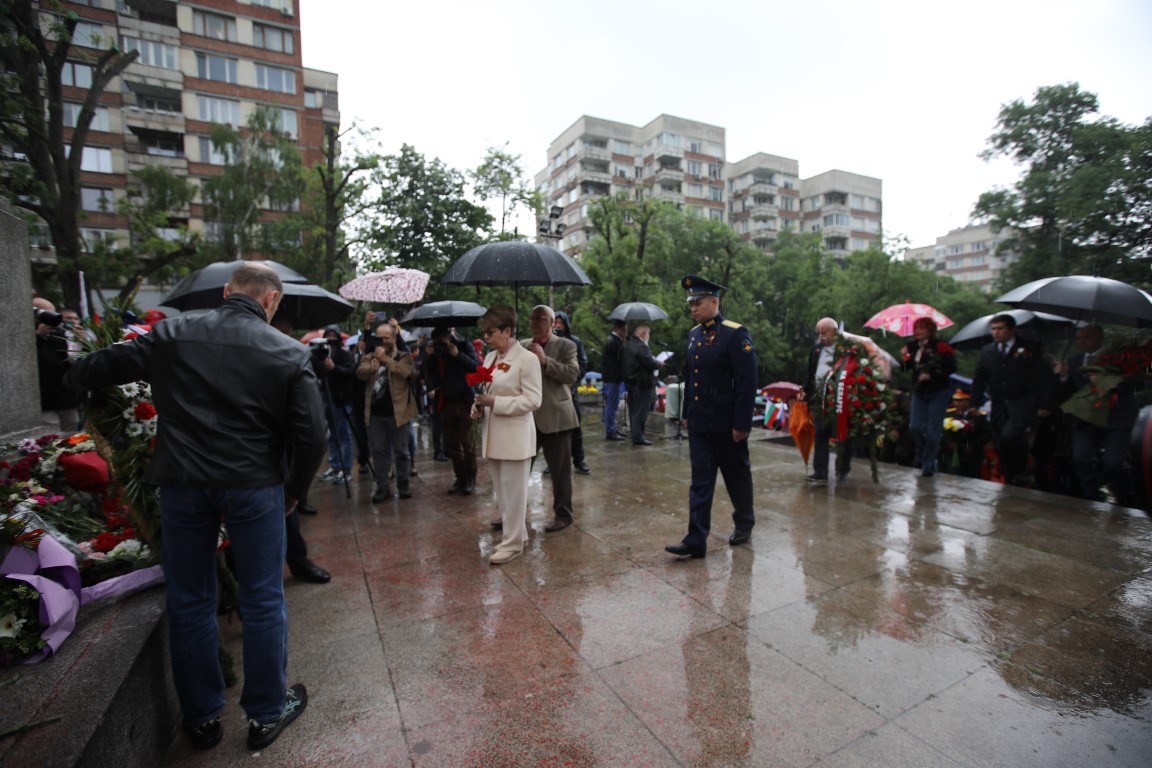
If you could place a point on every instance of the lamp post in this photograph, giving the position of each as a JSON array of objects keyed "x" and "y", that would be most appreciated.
[{"x": 552, "y": 229}]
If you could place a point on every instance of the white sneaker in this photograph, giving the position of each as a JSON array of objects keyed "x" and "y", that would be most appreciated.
[{"x": 331, "y": 473}]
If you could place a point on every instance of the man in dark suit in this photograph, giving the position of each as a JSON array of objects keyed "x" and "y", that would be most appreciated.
[
  {"x": 1022, "y": 388},
  {"x": 1099, "y": 452},
  {"x": 640, "y": 367},
  {"x": 720, "y": 375},
  {"x": 613, "y": 377},
  {"x": 820, "y": 362}
]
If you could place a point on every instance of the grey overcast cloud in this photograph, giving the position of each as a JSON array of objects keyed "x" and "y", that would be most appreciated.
[{"x": 903, "y": 90}]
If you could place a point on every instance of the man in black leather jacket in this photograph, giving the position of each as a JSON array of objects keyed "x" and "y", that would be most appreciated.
[{"x": 234, "y": 396}]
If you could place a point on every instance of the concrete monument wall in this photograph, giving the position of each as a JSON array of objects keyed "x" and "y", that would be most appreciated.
[{"x": 19, "y": 386}]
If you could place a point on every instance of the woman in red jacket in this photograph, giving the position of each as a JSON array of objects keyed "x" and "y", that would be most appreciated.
[{"x": 932, "y": 363}]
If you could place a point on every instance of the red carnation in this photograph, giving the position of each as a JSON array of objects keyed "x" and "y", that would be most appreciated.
[
  {"x": 145, "y": 411},
  {"x": 481, "y": 376},
  {"x": 21, "y": 471},
  {"x": 869, "y": 406},
  {"x": 856, "y": 403},
  {"x": 106, "y": 542},
  {"x": 945, "y": 349}
]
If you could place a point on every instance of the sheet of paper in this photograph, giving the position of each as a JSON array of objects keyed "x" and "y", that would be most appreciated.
[{"x": 663, "y": 356}]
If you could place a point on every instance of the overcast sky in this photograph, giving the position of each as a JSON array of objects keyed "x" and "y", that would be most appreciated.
[{"x": 907, "y": 91}]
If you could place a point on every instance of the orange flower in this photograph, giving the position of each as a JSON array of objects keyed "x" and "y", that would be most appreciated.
[{"x": 78, "y": 438}]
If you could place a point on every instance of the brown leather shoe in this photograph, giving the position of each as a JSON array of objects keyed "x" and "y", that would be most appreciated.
[{"x": 558, "y": 524}]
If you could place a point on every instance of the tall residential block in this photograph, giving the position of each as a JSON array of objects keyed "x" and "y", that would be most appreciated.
[
  {"x": 200, "y": 63},
  {"x": 684, "y": 162},
  {"x": 968, "y": 254}
]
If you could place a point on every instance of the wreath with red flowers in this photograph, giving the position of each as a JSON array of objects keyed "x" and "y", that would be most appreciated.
[{"x": 857, "y": 402}]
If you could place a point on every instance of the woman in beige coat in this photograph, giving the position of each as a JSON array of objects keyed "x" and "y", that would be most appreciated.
[{"x": 509, "y": 431}]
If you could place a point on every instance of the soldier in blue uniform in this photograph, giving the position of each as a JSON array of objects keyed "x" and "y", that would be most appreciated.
[{"x": 719, "y": 392}]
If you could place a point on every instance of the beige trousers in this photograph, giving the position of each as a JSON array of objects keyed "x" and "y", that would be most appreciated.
[{"x": 510, "y": 482}]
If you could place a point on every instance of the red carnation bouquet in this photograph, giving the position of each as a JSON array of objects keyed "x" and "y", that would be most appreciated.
[
  {"x": 856, "y": 400},
  {"x": 479, "y": 378}
]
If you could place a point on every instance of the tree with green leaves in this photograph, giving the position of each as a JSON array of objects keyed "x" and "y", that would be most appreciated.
[
  {"x": 262, "y": 171},
  {"x": 42, "y": 175},
  {"x": 417, "y": 215},
  {"x": 500, "y": 176},
  {"x": 1083, "y": 204}
]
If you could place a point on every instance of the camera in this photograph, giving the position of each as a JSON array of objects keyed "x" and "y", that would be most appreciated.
[
  {"x": 47, "y": 317},
  {"x": 319, "y": 348}
]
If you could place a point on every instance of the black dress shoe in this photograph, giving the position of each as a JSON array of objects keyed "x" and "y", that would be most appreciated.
[
  {"x": 457, "y": 487},
  {"x": 469, "y": 487},
  {"x": 381, "y": 496},
  {"x": 307, "y": 509},
  {"x": 405, "y": 494},
  {"x": 642, "y": 441},
  {"x": 309, "y": 571},
  {"x": 739, "y": 537},
  {"x": 547, "y": 471},
  {"x": 583, "y": 468},
  {"x": 613, "y": 436},
  {"x": 440, "y": 457},
  {"x": 683, "y": 550},
  {"x": 558, "y": 524},
  {"x": 497, "y": 525}
]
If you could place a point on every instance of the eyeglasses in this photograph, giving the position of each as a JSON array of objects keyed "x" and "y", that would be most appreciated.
[{"x": 489, "y": 331}]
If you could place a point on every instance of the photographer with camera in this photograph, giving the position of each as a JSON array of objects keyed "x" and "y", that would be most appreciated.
[
  {"x": 389, "y": 407},
  {"x": 59, "y": 404},
  {"x": 336, "y": 369},
  {"x": 449, "y": 360}
]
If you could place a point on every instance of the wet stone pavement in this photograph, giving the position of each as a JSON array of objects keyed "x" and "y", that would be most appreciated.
[{"x": 915, "y": 622}]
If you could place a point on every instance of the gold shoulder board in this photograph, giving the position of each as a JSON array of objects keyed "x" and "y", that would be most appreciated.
[{"x": 731, "y": 324}]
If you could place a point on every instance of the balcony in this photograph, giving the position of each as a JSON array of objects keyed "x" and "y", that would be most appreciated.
[
  {"x": 764, "y": 211},
  {"x": 668, "y": 174},
  {"x": 664, "y": 153},
  {"x": 596, "y": 175},
  {"x": 589, "y": 152},
  {"x": 153, "y": 120},
  {"x": 762, "y": 189}
]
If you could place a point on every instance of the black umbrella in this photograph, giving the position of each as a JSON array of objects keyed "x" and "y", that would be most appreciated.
[
  {"x": 1096, "y": 299},
  {"x": 638, "y": 312},
  {"x": 444, "y": 314},
  {"x": 978, "y": 332},
  {"x": 310, "y": 306},
  {"x": 204, "y": 288},
  {"x": 515, "y": 263}
]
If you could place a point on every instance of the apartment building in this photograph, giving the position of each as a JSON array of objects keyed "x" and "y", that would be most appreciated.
[
  {"x": 200, "y": 63},
  {"x": 684, "y": 162},
  {"x": 967, "y": 254}
]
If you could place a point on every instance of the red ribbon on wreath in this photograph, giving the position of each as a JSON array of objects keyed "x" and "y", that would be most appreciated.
[{"x": 844, "y": 394}]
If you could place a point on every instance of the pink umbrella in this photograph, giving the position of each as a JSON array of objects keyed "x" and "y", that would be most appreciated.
[
  {"x": 899, "y": 318},
  {"x": 392, "y": 286}
]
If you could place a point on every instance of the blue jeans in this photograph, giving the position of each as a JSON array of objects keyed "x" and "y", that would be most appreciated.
[
  {"x": 927, "y": 425},
  {"x": 340, "y": 437},
  {"x": 254, "y": 518},
  {"x": 613, "y": 391}
]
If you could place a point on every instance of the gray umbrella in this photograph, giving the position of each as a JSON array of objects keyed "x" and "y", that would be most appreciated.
[
  {"x": 515, "y": 263},
  {"x": 638, "y": 312},
  {"x": 204, "y": 288},
  {"x": 1096, "y": 299},
  {"x": 979, "y": 332},
  {"x": 445, "y": 314}
]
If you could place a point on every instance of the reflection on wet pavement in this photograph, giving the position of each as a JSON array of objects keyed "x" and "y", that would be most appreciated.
[{"x": 918, "y": 622}]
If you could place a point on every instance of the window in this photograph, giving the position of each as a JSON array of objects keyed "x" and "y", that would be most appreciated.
[
  {"x": 788, "y": 182},
  {"x": 714, "y": 150},
  {"x": 858, "y": 201},
  {"x": 286, "y": 122},
  {"x": 836, "y": 220},
  {"x": 275, "y": 79},
  {"x": 716, "y": 214},
  {"x": 209, "y": 154},
  {"x": 92, "y": 238},
  {"x": 88, "y": 35},
  {"x": 977, "y": 261},
  {"x": 621, "y": 147},
  {"x": 622, "y": 171},
  {"x": 669, "y": 140},
  {"x": 96, "y": 160},
  {"x": 955, "y": 263},
  {"x": 716, "y": 193},
  {"x": 151, "y": 54},
  {"x": 158, "y": 104},
  {"x": 814, "y": 203},
  {"x": 72, "y": 114},
  {"x": 979, "y": 245},
  {"x": 77, "y": 74},
  {"x": 312, "y": 100},
  {"x": 214, "y": 26},
  {"x": 272, "y": 38},
  {"x": 860, "y": 244},
  {"x": 214, "y": 110},
  {"x": 955, "y": 249},
  {"x": 713, "y": 171},
  {"x": 694, "y": 167},
  {"x": 216, "y": 68},
  {"x": 694, "y": 146},
  {"x": 788, "y": 203},
  {"x": 694, "y": 190},
  {"x": 95, "y": 199}
]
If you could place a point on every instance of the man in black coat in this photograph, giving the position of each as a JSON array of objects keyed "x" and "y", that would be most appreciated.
[
  {"x": 640, "y": 367},
  {"x": 233, "y": 398},
  {"x": 820, "y": 362},
  {"x": 562, "y": 328},
  {"x": 613, "y": 377},
  {"x": 1021, "y": 386},
  {"x": 446, "y": 367}
]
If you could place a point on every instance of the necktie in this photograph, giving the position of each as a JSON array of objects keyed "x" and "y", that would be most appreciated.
[{"x": 1003, "y": 349}]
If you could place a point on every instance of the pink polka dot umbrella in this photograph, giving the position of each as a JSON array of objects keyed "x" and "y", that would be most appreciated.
[{"x": 899, "y": 318}]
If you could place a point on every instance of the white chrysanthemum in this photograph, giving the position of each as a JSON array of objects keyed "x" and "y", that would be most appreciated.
[
  {"x": 145, "y": 390},
  {"x": 128, "y": 414},
  {"x": 130, "y": 390},
  {"x": 150, "y": 428},
  {"x": 10, "y": 625},
  {"x": 864, "y": 361},
  {"x": 881, "y": 386},
  {"x": 129, "y": 549},
  {"x": 135, "y": 429}
]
